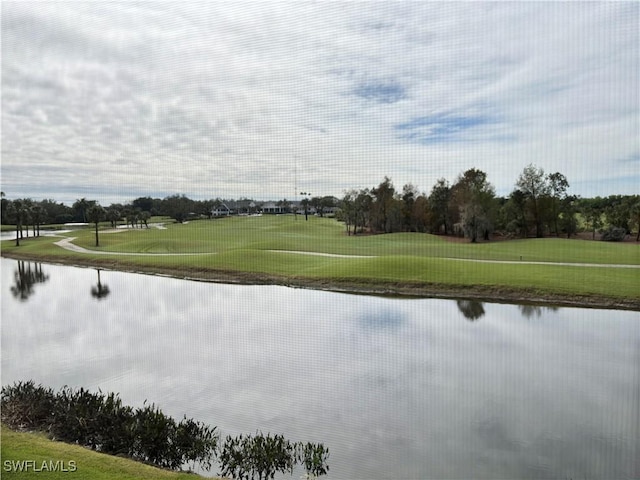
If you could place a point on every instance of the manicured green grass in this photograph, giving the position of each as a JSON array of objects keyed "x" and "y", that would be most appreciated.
[
  {"x": 89, "y": 465},
  {"x": 244, "y": 244},
  {"x": 326, "y": 235}
]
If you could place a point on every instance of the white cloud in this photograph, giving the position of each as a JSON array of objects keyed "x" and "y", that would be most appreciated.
[{"x": 243, "y": 99}]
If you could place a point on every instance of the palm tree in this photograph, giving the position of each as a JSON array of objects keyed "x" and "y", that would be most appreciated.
[
  {"x": 113, "y": 215},
  {"x": 82, "y": 205},
  {"x": 37, "y": 217},
  {"x": 18, "y": 210},
  {"x": 144, "y": 218},
  {"x": 95, "y": 214}
]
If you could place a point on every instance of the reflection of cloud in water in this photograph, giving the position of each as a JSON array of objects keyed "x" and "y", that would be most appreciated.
[
  {"x": 395, "y": 388},
  {"x": 384, "y": 318}
]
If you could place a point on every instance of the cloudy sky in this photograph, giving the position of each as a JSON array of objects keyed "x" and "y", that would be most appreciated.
[{"x": 112, "y": 101}]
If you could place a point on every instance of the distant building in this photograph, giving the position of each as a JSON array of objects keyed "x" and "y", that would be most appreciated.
[
  {"x": 273, "y": 208},
  {"x": 221, "y": 211}
]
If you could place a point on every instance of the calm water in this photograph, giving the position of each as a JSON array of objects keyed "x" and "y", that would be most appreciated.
[{"x": 395, "y": 388}]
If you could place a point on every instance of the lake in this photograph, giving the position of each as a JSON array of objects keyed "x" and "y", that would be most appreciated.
[{"x": 395, "y": 388}]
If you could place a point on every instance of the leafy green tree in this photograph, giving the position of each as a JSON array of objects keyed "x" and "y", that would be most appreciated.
[
  {"x": 635, "y": 218},
  {"x": 57, "y": 212},
  {"x": 474, "y": 197},
  {"x": 421, "y": 214},
  {"x": 439, "y": 199},
  {"x": 177, "y": 207},
  {"x": 618, "y": 211},
  {"x": 145, "y": 204},
  {"x": 568, "y": 222},
  {"x": 326, "y": 203},
  {"x": 533, "y": 185},
  {"x": 409, "y": 195},
  {"x": 316, "y": 203},
  {"x": 593, "y": 218},
  {"x": 96, "y": 214},
  {"x": 384, "y": 212},
  {"x": 558, "y": 186},
  {"x": 355, "y": 210},
  {"x": 347, "y": 210},
  {"x": 81, "y": 206}
]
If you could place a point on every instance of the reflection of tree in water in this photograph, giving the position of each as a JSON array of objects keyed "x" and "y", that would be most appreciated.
[
  {"x": 26, "y": 276},
  {"x": 471, "y": 309},
  {"x": 100, "y": 291},
  {"x": 529, "y": 311}
]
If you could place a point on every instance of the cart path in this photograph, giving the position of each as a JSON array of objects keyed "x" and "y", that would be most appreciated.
[
  {"x": 67, "y": 244},
  {"x": 508, "y": 262}
]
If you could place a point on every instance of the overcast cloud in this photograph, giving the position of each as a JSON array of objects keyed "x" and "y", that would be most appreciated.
[{"x": 266, "y": 99}]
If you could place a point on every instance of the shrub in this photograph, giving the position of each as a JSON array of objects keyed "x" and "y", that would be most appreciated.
[
  {"x": 101, "y": 422},
  {"x": 25, "y": 406},
  {"x": 614, "y": 234}
]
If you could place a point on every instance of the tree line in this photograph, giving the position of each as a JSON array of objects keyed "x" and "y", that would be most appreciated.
[
  {"x": 29, "y": 215},
  {"x": 540, "y": 205}
]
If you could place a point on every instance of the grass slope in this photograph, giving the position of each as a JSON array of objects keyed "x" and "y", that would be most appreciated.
[
  {"x": 244, "y": 245},
  {"x": 89, "y": 465}
]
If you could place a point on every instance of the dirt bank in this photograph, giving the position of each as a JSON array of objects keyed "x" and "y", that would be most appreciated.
[{"x": 362, "y": 286}]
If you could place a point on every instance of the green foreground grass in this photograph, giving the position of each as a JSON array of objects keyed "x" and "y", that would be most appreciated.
[
  {"x": 82, "y": 463},
  {"x": 242, "y": 249}
]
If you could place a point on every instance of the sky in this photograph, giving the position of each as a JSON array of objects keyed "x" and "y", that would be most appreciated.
[{"x": 116, "y": 100}]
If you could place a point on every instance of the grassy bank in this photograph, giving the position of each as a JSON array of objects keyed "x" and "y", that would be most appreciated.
[
  {"x": 258, "y": 250},
  {"x": 79, "y": 462}
]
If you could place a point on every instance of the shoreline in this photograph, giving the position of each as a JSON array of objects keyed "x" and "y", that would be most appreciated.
[{"x": 351, "y": 286}]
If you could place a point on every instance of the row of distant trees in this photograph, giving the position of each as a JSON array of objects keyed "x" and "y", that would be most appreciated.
[
  {"x": 34, "y": 213},
  {"x": 138, "y": 211},
  {"x": 539, "y": 205}
]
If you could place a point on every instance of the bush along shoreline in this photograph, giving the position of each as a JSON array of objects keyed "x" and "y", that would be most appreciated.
[{"x": 102, "y": 423}]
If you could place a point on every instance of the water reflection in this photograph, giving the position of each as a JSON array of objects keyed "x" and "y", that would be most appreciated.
[
  {"x": 384, "y": 318},
  {"x": 396, "y": 388},
  {"x": 101, "y": 290},
  {"x": 26, "y": 276},
  {"x": 471, "y": 309},
  {"x": 530, "y": 311}
]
